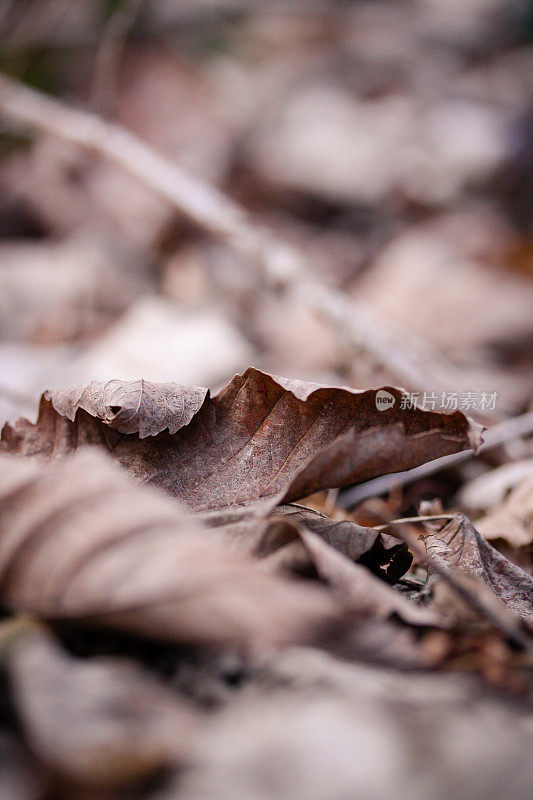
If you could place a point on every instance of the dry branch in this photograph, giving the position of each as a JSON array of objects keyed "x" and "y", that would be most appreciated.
[{"x": 280, "y": 263}]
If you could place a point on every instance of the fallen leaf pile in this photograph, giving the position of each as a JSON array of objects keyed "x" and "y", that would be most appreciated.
[{"x": 150, "y": 543}]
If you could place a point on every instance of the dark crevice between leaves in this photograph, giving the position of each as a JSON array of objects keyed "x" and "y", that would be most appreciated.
[
  {"x": 207, "y": 676},
  {"x": 388, "y": 559}
]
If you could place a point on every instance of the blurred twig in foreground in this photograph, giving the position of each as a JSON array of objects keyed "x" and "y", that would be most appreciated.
[{"x": 280, "y": 264}]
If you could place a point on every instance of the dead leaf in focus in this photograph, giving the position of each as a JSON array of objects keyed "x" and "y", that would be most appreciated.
[
  {"x": 460, "y": 545},
  {"x": 82, "y": 542},
  {"x": 134, "y": 407},
  {"x": 382, "y": 554},
  {"x": 333, "y": 191},
  {"x": 261, "y": 438}
]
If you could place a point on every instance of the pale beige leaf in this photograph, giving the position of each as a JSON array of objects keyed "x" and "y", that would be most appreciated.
[
  {"x": 99, "y": 722},
  {"x": 134, "y": 406},
  {"x": 513, "y": 519}
]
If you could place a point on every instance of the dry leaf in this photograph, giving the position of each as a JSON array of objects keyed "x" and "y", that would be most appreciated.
[
  {"x": 261, "y": 438},
  {"x": 99, "y": 722},
  {"x": 318, "y": 728},
  {"x": 81, "y": 541},
  {"x": 382, "y": 554},
  {"x": 459, "y": 545},
  {"x": 366, "y": 594},
  {"x": 513, "y": 520},
  {"x": 385, "y": 627},
  {"x": 488, "y": 490},
  {"x": 133, "y": 407}
]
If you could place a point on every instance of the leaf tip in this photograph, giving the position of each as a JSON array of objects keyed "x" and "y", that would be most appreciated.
[{"x": 475, "y": 434}]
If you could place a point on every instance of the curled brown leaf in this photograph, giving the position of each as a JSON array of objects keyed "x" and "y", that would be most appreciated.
[
  {"x": 262, "y": 438},
  {"x": 384, "y": 555}
]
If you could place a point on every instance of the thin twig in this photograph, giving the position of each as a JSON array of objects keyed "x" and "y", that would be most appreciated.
[
  {"x": 281, "y": 264},
  {"x": 499, "y": 434},
  {"x": 411, "y": 519},
  {"x": 414, "y": 365},
  {"x": 205, "y": 206}
]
